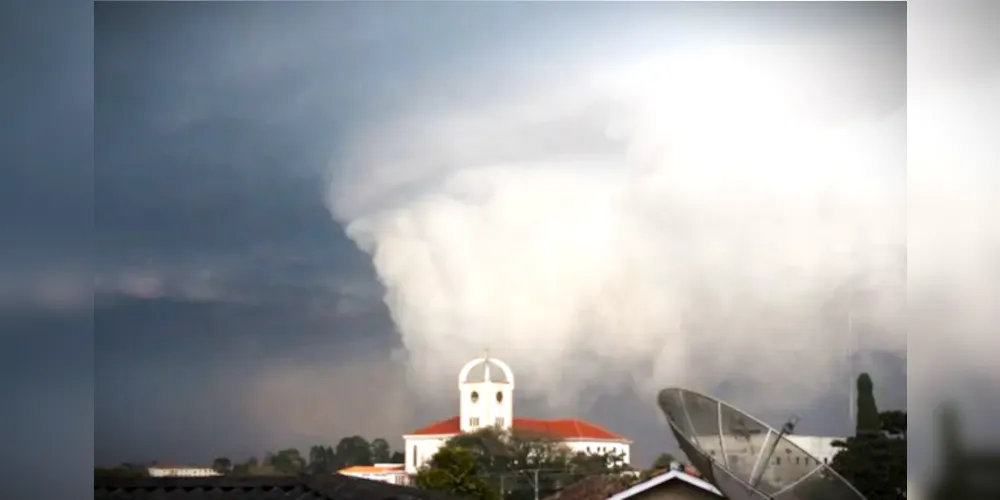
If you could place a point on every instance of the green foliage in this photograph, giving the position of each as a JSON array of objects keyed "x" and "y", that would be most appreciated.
[
  {"x": 664, "y": 460},
  {"x": 660, "y": 465},
  {"x": 381, "y": 453},
  {"x": 354, "y": 450},
  {"x": 874, "y": 460},
  {"x": 455, "y": 470},
  {"x": 124, "y": 470},
  {"x": 222, "y": 465},
  {"x": 287, "y": 462},
  {"x": 868, "y": 415},
  {"x": 516, "y": 463},
  {"x": 321, "y": 459}
]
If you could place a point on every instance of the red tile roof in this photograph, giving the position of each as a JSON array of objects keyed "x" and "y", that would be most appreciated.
[
  {"x": 447, "y": 426},
  {"x": 565, "y": 428}
]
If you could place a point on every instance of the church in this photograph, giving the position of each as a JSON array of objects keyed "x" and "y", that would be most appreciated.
[{"x": 486, "y": 399}]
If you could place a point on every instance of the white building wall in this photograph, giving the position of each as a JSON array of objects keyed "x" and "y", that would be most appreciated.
[
  {"x": 182, "y": 472},
  {"x": 820, "y": 447},
  {"x": 787, "y": 463},
  {"x": 485, "y": 404},
  {"x": 419, "y": 451},
  {"x": 400, "y": 478}
]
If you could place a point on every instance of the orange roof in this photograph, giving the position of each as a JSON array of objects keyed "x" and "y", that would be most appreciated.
[
  {"x": 447, "y": 426},
  {"x": 371, "y": 469},
  {"x": 565, "y": 428}
]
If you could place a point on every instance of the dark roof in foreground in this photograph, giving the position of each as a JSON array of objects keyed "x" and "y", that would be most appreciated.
[
  {"x": 326, "y": 487},
  {"x": 598, "y": 487}
]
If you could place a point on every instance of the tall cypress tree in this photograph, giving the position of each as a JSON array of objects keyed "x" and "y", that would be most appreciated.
[{"x": 868, "y": 421}]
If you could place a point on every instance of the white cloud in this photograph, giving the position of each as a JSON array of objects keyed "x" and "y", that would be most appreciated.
[{"x": 676, "y": 219}]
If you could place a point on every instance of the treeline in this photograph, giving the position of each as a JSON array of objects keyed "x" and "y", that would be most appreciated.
[
  {"x": 319, "y": 459},
  {"x": 491, "y": 464}
]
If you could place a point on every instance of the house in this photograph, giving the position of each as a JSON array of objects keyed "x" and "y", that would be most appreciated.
[
  {"x": 326, "y": 486},
  {"x": 672, "y": 485},
  {"x": 180, "y": 471},
  {"x": 389, "y": 473}
]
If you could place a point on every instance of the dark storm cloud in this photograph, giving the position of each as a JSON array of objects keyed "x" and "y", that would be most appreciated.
[
  {"x": 46, "y": 199},
  {"x": 46, "y": 193}
]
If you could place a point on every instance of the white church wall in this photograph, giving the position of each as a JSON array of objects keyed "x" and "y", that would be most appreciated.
[
  {"x": 420, "y": 450},
  {"x": 487, "y": 401}
]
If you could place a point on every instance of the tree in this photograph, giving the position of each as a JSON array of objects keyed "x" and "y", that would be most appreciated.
[
  {"x": 397, "y": 457},
  {"x": 867, "y": 411},
  {"x": 381, "y": 453},
  {"x": 222, "y": 465},
  {"x": 874, "y": 459},
  {"x": 519, "y": 463},
  {"x": 288, "y": 461},
  {"x": 126, "y": 469},
  {"x": 663, "y": 461},
  {"x": 322, "y": 460},
  {"x": 245, "y": 468},
  {"x": 660, "y": 465},
  {"x": 354, "y": 450},
  {"x": 455, "y": 470}
]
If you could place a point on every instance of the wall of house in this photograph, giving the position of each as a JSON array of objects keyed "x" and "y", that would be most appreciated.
[
  {"x": 400, "y": 478},
  {"x": 420, "y": 450},
  {"x": 182, "y": 472},
  {"x": 675, "y": 490}
]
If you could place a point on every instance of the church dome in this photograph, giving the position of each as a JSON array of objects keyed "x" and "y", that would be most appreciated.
[
  {"x": 486, "y": 369},
  {"x": 478, "y": 373}
]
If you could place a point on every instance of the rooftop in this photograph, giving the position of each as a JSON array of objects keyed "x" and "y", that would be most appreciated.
[
  {"x": 566, "y": 428},
  {"x": 332, "y": 487}
]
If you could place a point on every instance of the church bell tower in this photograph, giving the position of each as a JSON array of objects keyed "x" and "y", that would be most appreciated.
[{"x": 486, "y": 392}]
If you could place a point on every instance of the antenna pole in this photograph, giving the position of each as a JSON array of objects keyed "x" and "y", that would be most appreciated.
[
  {"x": 536, "y": 483},
  {"x": 786, "y": 429}
]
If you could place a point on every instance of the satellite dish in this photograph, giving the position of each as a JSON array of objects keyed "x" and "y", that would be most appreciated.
[{"x": 745, "y": 458}]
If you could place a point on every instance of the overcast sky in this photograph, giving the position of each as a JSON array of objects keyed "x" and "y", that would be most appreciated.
[{"x": 233, "y": 313}]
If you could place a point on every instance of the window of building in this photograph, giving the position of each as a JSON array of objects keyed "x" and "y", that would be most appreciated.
[
  {"x": 414, "y": 456},
  {"x": 825, "y": 460},
  {"x": 474, "y": 421},
  {"x": 797, "y": 460},
  {"x": 777, "y": 461},
  {"x": 499, "y": 421}
]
